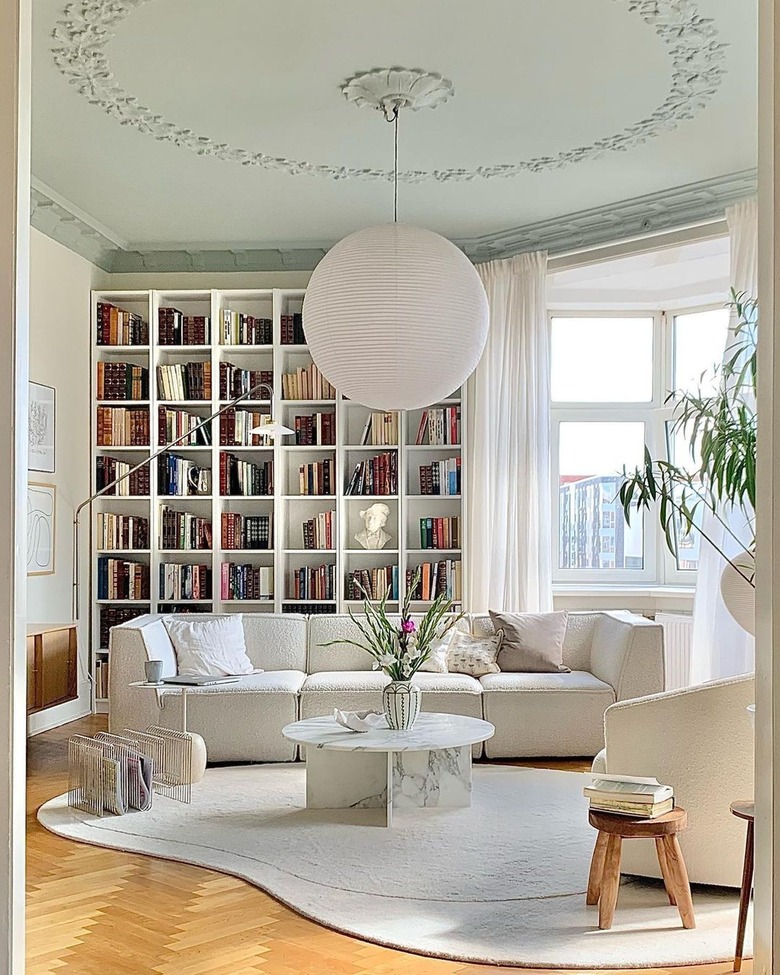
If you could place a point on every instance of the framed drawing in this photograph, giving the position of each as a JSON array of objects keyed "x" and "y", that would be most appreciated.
[
  {"x": 40, "y": 451},
  {"x": 41, "y": 511}
]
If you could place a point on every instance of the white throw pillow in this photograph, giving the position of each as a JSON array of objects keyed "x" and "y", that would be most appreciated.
[
  {"x": 209, "y": 648},
  {"x": 436, "y": 662},
  {"x": 474, "y": 655}
]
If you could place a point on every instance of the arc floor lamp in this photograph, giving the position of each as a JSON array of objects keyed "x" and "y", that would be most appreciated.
[{"x": 272, "y": 430}]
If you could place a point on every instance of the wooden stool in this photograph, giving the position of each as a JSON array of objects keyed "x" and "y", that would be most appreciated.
[
  {"x": 746, "y": 811},
  {"x": 604, "y": 878}
]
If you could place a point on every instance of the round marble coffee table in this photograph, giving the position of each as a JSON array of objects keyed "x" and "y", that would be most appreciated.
[{"x": 428, "y": 766}]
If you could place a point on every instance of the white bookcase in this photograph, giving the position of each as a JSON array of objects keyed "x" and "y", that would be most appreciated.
[{"x": 288, "y": 508}]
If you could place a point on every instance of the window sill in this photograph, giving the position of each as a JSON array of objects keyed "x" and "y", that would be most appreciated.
[{"x": 615, "y": 596}]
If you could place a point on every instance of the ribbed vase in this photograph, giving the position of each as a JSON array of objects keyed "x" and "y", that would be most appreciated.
[{"x": 401, "y": 701}]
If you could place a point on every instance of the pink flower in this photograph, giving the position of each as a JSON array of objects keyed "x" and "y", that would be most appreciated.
[{"x": 408, "y": 626}]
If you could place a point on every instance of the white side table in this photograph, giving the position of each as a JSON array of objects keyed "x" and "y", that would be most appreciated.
[
  {"x": 199, "y": 753},
  {"x": 427, "y": 766}
]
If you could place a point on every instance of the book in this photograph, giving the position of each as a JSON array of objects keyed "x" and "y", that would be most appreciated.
[
  {"x": 236, "y": 328},
  {"x": 115, "y": 326},
  {"x": 641, "y": 810},
  {"x": 627, "y": 788},
  {"x": 235, "y": 381}
]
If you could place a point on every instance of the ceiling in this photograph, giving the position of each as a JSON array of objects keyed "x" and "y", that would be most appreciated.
[
  {"x": 684, "y": 276},
  {"x": 218, "y": 125}
]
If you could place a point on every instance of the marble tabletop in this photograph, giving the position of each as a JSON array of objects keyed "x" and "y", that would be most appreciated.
[{"x": 430, "y": 732}]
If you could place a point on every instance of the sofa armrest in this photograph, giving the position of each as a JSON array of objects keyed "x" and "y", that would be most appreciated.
[
  {"x": 627, "y": 652},
  {"x": 130, "y": 645}
]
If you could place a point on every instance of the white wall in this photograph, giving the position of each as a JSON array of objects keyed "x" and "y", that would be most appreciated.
[{"x": 60, "y": 285}]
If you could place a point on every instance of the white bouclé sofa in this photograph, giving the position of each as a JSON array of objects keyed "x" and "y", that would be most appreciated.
[{"x": 612, "y": 656}]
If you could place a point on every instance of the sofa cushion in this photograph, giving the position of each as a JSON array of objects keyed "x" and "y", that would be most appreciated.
[
  {"x": 269, "y": 682},
  {"x": 276, "y": 641},
  {"x": 537, "y": 715},
  {"x": 345, "y": 680},
  {"x": 576, "y": 680},
  {"x": 343, "y": 656},
  {"x": 446, "y": 683},
  {"x": 243, "y": 721}
]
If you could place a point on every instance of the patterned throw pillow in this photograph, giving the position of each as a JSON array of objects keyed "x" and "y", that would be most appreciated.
[{"x": 474, "y": 655}]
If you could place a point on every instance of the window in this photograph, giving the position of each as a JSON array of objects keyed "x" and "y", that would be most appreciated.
[
  {"x": 610, "y": 378},
  {"x": 602, "y": 360}
]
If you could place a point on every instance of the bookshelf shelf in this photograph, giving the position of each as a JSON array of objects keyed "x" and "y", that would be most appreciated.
[
  {"x": 122, "y": 402},
  {"x": 289, "y": 511},
  {"x": 123, "y": 602},
  {"x": 123, "y": 551}
]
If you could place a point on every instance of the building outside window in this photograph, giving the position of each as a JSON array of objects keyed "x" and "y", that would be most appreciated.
[{"x": 610, "y": 379}]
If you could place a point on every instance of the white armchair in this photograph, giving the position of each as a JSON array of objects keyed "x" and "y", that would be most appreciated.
[{"x": 699, "y": 740}]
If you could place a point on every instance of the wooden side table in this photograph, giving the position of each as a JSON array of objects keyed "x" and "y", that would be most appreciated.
[
  {"x": 746, "y": 811},
  {"x": 604, "y": 879}
]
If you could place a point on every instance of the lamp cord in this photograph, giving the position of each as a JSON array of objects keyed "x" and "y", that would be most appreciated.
[{"x": 393, "y": 117}]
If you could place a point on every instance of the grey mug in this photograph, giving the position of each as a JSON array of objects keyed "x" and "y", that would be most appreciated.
[{"x": 154, "y": 671}]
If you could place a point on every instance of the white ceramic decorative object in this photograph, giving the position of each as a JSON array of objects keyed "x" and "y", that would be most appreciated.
[
  {"x": 386, "y": 89},
  {"x": 751, "y": 710},
  {"x": 199, "y": 758},
  {"x": 373, "y": 536},
  {"x": 396, "y": 317},
  {"x": 361, "y": 721},
  {"x": 401, "y": 701},
  {"x": 738, "y": 595}
]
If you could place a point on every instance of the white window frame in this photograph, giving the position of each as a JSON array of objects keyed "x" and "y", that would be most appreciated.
[{"x": 660, "y": 566}]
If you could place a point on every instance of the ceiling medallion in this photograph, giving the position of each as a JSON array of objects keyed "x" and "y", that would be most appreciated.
[
  {"x": 697, "y": 61},
  {"x": 388, "y": 89}
]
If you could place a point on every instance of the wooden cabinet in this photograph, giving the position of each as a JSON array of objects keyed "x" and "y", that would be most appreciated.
[{"x": 52, "y": 665}]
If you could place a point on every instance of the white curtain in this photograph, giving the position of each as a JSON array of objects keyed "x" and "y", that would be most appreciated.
[
  {"x": 508, "y": 521},
  {"x": 720, "y": 647}
]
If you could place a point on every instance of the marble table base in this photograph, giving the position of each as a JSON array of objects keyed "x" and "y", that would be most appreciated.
[{"x": 439, "y": 778}]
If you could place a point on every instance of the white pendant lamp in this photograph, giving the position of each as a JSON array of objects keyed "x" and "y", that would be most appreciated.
[
  {"x": 396, "y": 316},
  {"x": 738, "y": 589}
]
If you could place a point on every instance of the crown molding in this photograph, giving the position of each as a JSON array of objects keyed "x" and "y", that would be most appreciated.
[
  {"x": 644, "y": 216},
  {"x": 70, "y": 226}
]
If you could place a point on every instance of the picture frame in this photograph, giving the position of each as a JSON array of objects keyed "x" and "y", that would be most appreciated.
[
  {"x": 41, "y": 527},
  {"x": 41, "y": 437}
]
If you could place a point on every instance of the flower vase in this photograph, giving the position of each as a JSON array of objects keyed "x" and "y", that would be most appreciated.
[{"x": 401, "y": 702}]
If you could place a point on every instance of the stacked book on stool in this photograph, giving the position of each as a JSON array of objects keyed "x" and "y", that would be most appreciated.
[{"x": 627, "y": 795}]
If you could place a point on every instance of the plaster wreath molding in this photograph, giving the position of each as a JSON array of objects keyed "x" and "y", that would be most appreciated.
[{"x": 698, "y": 65}]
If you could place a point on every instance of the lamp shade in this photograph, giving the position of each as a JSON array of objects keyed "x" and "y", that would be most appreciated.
[
  {"x": 272, "y": 429},
  {"x": 396, "y": 317},
  {"x": 739, "y": 597}
]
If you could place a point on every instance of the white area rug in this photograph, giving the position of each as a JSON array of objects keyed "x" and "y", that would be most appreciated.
[{"x": 503, "y": 881}]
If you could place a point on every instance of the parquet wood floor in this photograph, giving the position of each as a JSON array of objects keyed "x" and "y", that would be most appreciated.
[{"x": 101, "y": 912}]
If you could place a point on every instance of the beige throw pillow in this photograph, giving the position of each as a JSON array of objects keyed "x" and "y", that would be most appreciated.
[
  {"x": 473, "y": 655},
  {"x": 533, "y": 642}
]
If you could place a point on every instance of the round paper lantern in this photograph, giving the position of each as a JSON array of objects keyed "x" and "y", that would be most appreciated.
[
  {"x": 396, "y": 317},
  {"x": 739, "y": 597}
]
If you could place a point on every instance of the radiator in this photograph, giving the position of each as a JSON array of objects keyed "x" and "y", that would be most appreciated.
[{"x": 678, "y": 634}]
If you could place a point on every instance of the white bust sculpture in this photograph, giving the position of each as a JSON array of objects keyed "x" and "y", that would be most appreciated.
[{"x": 375, "y": 519}]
